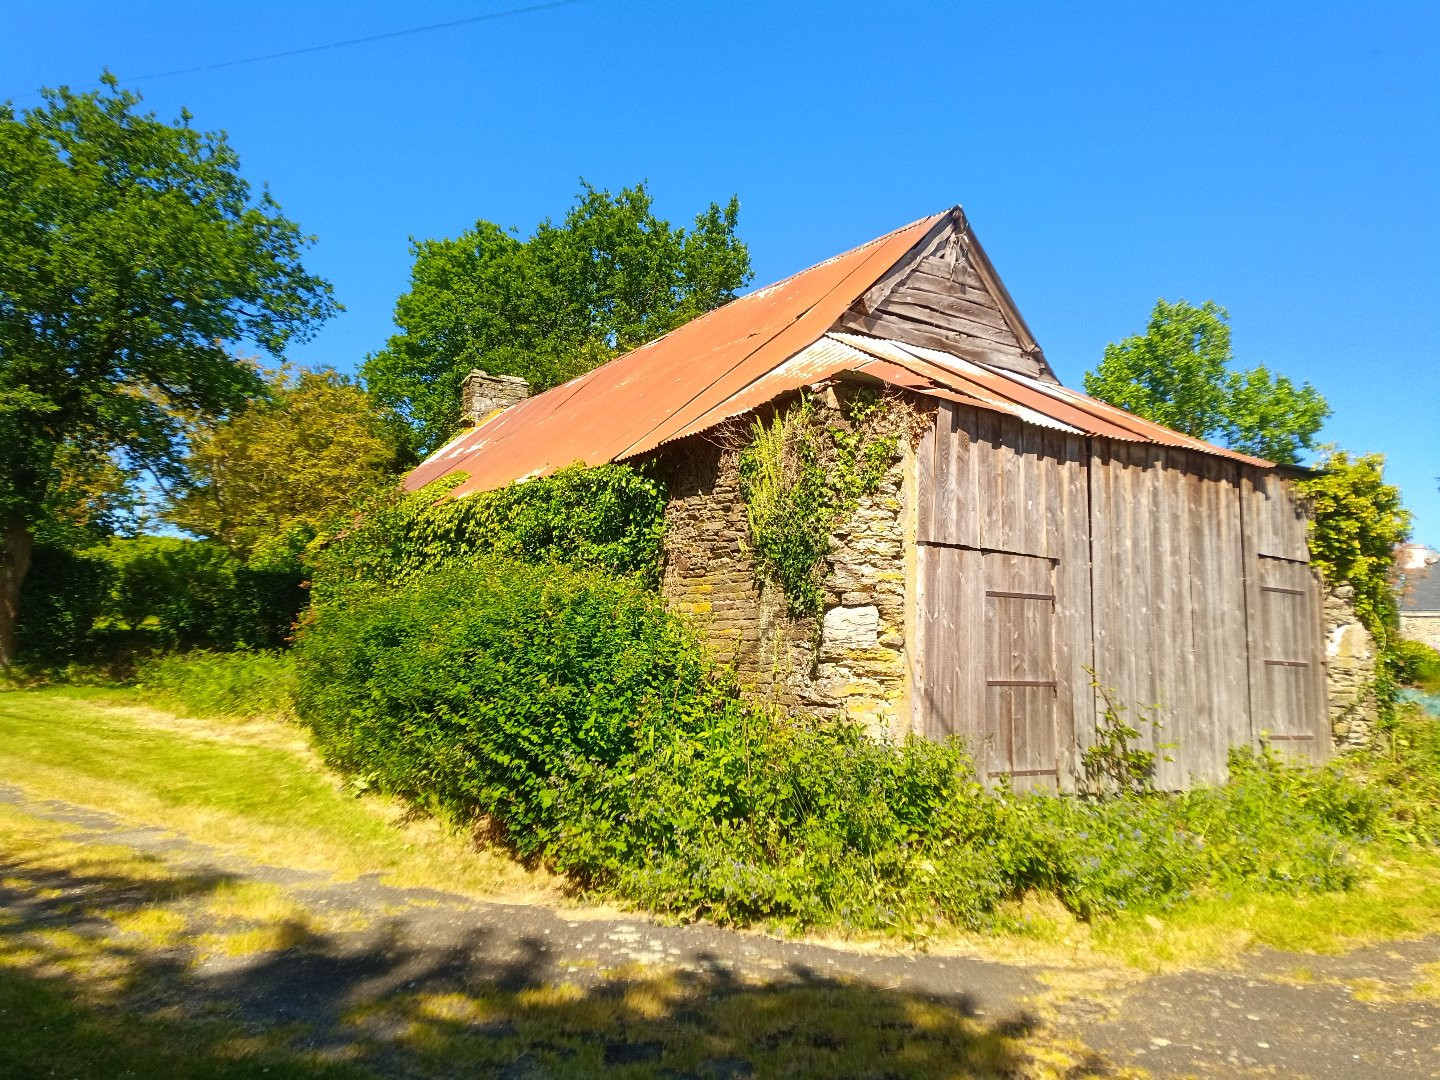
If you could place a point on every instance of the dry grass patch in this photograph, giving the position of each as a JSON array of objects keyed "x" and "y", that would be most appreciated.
[{"x": 253, "y": 787}]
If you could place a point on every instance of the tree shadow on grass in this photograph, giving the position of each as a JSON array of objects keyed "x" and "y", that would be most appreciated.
[{"x": 79, "y": 999}]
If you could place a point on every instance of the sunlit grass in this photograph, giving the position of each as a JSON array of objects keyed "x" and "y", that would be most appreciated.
[
  {"x": 251, "y": 787},
  {"x": 1398, "y": 899}
]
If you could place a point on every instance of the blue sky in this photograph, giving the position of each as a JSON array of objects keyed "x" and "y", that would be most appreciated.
[{"x": 1281, "y": 159}]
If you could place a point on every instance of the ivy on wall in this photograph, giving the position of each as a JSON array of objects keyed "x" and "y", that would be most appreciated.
[
  {"x": 610, "y": 518},
  {"x": 1356, "y": 521},
  {"x": 801, "y": 474}
]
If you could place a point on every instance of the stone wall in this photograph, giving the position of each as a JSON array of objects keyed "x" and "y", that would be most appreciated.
[
  {"x": 1350, "y": 656},
  {"x": 851, "y": 662}
]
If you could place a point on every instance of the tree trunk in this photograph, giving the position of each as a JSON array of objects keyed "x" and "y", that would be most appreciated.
[{"x": 15, "y": 544}]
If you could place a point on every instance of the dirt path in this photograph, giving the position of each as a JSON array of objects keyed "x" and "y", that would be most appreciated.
[{"x": 333, "y": 989}]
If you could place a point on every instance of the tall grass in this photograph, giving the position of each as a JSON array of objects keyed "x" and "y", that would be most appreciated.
[{"x": 222, "y": 685}]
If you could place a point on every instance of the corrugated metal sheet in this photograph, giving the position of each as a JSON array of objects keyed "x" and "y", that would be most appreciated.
[
  {"x": 1036, "y": 402},
  {"x": 749, "y": 352}
]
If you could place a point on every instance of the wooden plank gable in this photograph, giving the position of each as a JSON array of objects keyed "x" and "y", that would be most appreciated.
[{"x": 945, "y": 295}]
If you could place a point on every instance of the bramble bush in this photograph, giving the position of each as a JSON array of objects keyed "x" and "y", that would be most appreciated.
[{"x": 580, "y": 722}]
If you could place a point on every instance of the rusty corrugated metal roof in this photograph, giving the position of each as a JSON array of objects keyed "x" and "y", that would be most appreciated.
[
  {"x": 651, "y": 395},
  {"x": 1031, "y": 400},
  {"x": 746, "y": 353}
]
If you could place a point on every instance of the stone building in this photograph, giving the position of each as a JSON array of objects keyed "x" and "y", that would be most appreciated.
[
  {"x": 1025, "y": 560},
  {"x": 1419, "y": 587}
]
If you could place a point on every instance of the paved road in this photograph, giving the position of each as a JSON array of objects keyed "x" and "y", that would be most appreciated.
[{"x": 1257, "y": 1021}]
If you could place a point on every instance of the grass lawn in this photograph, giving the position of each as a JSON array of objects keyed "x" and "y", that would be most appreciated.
[
  {"x": 99, "y": 945},
  {"x": 252, "y": 787},
  {"x": 114, "y": 964}
]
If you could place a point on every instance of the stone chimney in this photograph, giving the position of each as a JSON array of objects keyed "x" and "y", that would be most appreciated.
[{"x": 482, "y": 395}]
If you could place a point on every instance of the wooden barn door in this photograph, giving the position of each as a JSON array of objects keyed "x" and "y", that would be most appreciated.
[
  {"x": 1288, "y": 692},
  {"x": 1003, "y": 598},
  {"x": 989, "y": 660},
  {"x": 1020, "y": 682},
  {"x": 1287, "y": 673}
]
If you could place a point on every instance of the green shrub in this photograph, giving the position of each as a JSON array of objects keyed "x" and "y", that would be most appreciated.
[
  {"x": 1356, "y": 521},
  {"x": 488, "y": 685},
  {"x": 63, "y": 595},
  {"x": 198, "y": 595},
  {"x": 581, "y": 720},
  {"x": 1404, "y": 765},
  {"x": 224, "y": 685},
  {"x": 610, "y": 518},
  {"x": 1416, "y": 664}
]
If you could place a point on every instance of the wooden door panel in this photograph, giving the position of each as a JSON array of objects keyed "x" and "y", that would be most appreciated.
[
  {"x": 1020, "y": 683},
  {"x": 1287, "y": 668}
]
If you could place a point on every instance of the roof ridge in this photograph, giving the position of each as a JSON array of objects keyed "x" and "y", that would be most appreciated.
[{"x": 848, "y": 251}]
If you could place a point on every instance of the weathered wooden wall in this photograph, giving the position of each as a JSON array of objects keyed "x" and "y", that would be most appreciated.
[
  {"x": 1181, "y": 579},
  {"x": 1169, "y": 595},
  {"x": 1004, "y": 592}
]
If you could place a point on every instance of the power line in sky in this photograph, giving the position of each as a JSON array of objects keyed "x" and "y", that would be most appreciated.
[{"x": 507, "y": 13}]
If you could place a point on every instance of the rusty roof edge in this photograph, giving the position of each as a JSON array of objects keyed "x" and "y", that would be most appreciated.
[
  {"x": 737, "y": 404},
  {"x": 907, "y": 356},
  {"x": 1103, "y": 409}
]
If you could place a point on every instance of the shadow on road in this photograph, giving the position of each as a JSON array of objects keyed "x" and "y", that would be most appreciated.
[{"x": 80, "y": 998}]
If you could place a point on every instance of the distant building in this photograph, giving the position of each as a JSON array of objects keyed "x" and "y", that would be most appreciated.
[{"x": 1419, "y": 588}]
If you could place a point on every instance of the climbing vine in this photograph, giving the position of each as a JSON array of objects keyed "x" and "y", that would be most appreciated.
[
  {"x": 1356, "y": 521},
  {"x": 801, "y": 474}
]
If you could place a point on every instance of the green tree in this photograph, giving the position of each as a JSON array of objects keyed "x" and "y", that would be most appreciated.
[
  {"x": 276, "y": 469},
  {"x": 132, "y": 255},
  {"x": 609, "y": 278},
  {"x": 1178, "y": 374}
]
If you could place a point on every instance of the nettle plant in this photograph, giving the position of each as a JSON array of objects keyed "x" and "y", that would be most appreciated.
[
  {"x": 801, "y": 474},
  {"x": 1115, "y": 762}
]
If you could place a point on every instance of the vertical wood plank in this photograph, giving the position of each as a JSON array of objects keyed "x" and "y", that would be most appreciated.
[
  {"x": 943, "y": 472},
  {"x": 926, "y": 491}
]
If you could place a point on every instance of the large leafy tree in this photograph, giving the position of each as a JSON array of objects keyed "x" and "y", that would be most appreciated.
[
  {"x": 609, "y": 278},
  {"x": 133, "y": 256},
  {"x": 274, "y": 471},
  {"x": 1178, "y": 373}
]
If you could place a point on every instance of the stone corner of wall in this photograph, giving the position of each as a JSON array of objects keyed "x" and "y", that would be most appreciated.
[{"x": 1351, "y": 657}]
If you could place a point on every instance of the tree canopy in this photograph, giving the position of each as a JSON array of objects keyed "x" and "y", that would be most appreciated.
[
  {"x": 1178, "y": 373},
  {"x": 609, "y": 278},
  {"x": 133, "y": 257},
  {"x": 285, "y": 464}
]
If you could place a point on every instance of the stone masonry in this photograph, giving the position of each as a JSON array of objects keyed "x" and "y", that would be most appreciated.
[
  {"x": 1350, "y": 657},
  {"x": 482, "y": 395},
  {"x": 854, "y": 661}
]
